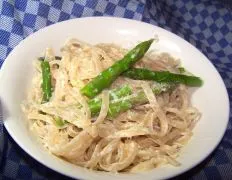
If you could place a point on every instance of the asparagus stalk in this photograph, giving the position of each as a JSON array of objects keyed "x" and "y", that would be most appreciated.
[
  {"x": 162, "y": 76},
  {"x": 95, "y": 104},
  {"x": 46, "y": 81},
  {"x": 106, "y": 78},
  {"x": 126, "y": 103},
  {"x": 59, "y": 122}
]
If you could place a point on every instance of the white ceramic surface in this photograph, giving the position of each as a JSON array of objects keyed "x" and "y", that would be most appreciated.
[{"x": 211, "y": 99}]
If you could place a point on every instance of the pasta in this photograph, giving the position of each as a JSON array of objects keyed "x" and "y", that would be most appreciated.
[{"x": 142, "y": 138}]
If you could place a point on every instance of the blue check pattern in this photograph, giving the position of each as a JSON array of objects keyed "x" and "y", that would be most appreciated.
[{"x": 206, "y": 24}]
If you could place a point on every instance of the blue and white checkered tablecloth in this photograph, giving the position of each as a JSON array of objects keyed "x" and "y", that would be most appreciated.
[{"x": 207, "y": 24}]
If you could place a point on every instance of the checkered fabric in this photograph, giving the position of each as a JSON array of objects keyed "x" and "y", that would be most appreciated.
[{"x": 206, "y": 24}]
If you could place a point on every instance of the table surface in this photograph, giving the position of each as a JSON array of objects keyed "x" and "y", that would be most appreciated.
[{"x": 206, "y": 24}]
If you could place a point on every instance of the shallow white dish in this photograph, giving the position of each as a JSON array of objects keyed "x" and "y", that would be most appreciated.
[{"x": 211, "y": 99}]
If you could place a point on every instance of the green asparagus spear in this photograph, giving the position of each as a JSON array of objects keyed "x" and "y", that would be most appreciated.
[
  {"x": 162, "y": 76},
  {"x": 60, "y": 122},
  {"x": 126, "y": 103},
  {"x": 181, "y": 70},
  {"x": 95, "y": 104},
  {"x": 116, "y": 108},
  {"x": 106, "y": 78},
  {"x": 122, "y": 99},
  {"x": 46, "y": 81}
]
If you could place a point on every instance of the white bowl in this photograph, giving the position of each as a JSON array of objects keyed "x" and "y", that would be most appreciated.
[{"x": 211, "y": 99}]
